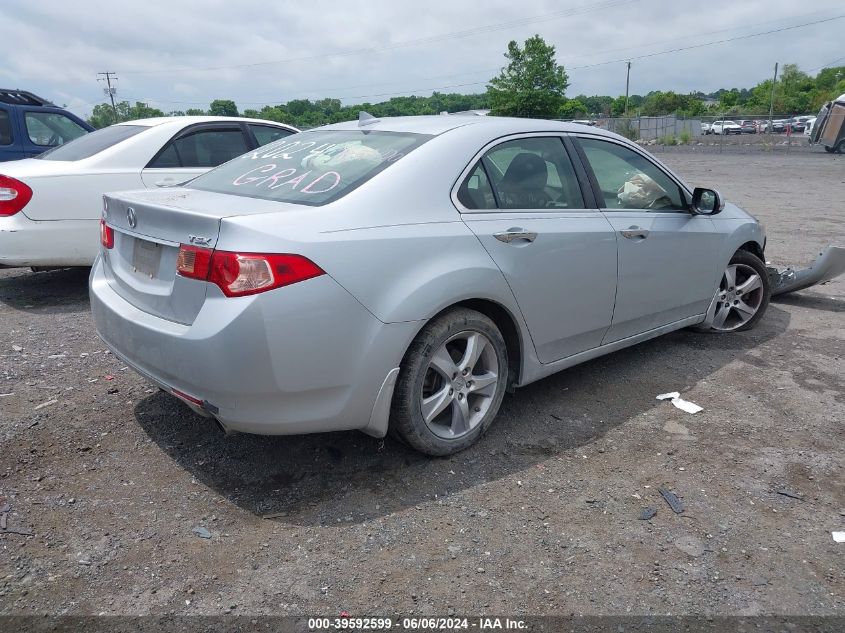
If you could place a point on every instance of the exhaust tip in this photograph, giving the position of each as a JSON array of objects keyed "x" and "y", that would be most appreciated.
[{"x": 222, "y": 428}]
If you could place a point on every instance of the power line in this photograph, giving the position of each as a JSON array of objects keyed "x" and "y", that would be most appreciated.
[
  {"x": 569, "y": 69},
  {"x": 724, "y": 41},
  {"x": 606, "y": 4},
  {"x": 491, "y": 70},
  {"x": 110, "y": 91},
  {"x": 645, "y": 56},
  {"x": 827, "y": 65}
]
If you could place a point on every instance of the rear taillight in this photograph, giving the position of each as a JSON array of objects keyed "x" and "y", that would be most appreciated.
[
  {"x": 242, "y": 274},
  {"x": 106, "y": 235},
  {"x": 193, "y": 262},
  {"x": 14, "y": 195}
]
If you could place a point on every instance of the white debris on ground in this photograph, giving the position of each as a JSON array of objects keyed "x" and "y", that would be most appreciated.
[
  {"x": 839, "y": 537},
  {"x": 683, "y": 405}
]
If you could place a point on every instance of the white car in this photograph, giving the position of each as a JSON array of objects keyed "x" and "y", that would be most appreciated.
[
  {"x": 705, "y": 127},
  {"x": 725, "y": 127},
  {"x": 50, "y": 206},
  {"x": 808, "y": 126}
]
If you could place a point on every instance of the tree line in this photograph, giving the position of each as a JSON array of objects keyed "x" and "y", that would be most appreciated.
[
  {"x": 302, "y": 113},
  {"x": 531, "y": 84}
]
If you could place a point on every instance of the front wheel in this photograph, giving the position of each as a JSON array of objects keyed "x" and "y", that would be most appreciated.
[
  {"x": 743, "y": 294},
  {"x": 451, "y": 383}
]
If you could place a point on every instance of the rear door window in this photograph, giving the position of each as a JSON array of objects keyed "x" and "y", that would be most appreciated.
[
  {"x": 265, "y": 134},
  {"x": 475, "y": 192},
  {"x": 5, "y": 128},
  {"x": 48, "y": 129},
  {"x": 202, "y": 148},
  {"x": 526, "y": 173},
  {"x": 311, "y": 168}
]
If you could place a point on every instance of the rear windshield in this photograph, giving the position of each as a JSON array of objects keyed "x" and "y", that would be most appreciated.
[
  {"x": 93, "y": 143},
  {"x": 311, "y": 168}
]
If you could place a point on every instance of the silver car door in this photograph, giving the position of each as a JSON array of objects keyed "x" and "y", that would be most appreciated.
[
  {"x": 523, "y": 201},
  {"x": 193, "y": 152},
  {"x": 667, "y": 256}
]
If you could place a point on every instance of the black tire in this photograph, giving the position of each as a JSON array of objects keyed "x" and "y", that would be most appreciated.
[
  {"x": 406, "y": 417},
  {"x": 840, "y": 148},
  {"x": 751, "y": 260},
  {"x": 829, "y": 150}
]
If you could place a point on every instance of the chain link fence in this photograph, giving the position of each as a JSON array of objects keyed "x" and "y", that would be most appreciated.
[{"x": 751, "y": 133}]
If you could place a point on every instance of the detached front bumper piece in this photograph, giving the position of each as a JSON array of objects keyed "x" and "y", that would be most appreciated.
[{"x": 829, "y": 264}]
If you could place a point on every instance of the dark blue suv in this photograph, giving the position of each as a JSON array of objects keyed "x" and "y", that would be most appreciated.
[{"x": 30, "y": 125}]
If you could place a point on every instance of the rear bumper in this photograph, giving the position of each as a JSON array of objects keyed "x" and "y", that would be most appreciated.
[
  {"x": 301, "y": 359},
  {"x": 25, "y": 242}
]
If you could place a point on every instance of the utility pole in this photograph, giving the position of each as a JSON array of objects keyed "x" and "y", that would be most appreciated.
[
  {"x": 627, "y": 84},
  {"x": 110, "y": 91},
  {"x": 772, "y": 100}
]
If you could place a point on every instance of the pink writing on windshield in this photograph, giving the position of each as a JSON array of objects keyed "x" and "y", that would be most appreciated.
[{"x": 322, "y": 183}]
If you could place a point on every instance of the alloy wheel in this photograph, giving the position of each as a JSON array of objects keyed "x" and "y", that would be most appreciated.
[
  {"x": 459, "y": 385},
  {"x": 739, "y": 298}
]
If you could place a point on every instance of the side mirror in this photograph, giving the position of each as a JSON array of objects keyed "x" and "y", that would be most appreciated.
[{"x": 706, "y": 202}]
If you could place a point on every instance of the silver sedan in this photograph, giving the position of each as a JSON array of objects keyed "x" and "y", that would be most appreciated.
[{"x": 402, "y": 274}]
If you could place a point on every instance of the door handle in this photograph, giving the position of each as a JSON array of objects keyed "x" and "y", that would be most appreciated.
[
  {"x": 515, "y": 234},
  {"x": 633, "y": 232}
]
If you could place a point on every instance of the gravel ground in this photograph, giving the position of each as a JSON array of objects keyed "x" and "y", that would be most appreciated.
[{"x": 110, "y": 477}]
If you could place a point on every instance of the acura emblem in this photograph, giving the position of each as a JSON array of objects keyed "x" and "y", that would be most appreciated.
[{"x": 131, "y": 217}]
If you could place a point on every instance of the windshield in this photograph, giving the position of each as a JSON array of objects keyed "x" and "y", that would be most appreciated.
[
  {"x": 93, "y": 143},
  {"x": 311, "y": 168}
]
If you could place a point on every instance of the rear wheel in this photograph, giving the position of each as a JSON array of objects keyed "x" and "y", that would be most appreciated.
[
  {"x": 451, "y": 383},
  {"x": 840, "y": 148},
  {"x": 743, "y": 294}
]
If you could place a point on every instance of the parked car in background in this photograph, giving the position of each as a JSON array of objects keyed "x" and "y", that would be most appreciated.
[
  {"x": 705, "y": 127},
  {"x": 30, "y": 125},
  {"x": 796, "y": 125},
  {"x": 50, "y": 205},
  {"x": 808, "y": 126},
  {"x": 725, "y": 127},
  {"x": 404, "y": 273},
  {"x": 778, "y": 126},
  {"x": 747, "y": 126}
]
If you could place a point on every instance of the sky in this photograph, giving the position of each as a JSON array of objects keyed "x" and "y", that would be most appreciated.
[{"x": 177, "y": 54}]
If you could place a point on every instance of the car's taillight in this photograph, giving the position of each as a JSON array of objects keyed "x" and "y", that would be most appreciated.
[
  {"x": 106, "y": 235},
  {"x": 242, "y": 274},
  {"x": 193, "y": 262},
  {"x": 14, "y": 195}
]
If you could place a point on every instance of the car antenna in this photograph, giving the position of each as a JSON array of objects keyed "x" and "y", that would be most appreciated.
[{"x": 365, "y": 118}]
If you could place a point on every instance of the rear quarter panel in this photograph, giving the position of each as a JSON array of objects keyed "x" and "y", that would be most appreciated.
[{"x": 75, "y": 196}]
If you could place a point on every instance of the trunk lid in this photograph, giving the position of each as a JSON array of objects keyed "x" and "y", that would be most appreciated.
[{"x": 149, "y": 227}]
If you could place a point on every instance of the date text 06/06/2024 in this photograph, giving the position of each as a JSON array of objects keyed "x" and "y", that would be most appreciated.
[{"x": 347, "y": 623}]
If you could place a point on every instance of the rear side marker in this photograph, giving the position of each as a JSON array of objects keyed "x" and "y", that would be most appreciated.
[
  {"x": 106, "y": 235},
  {"x": 242, "y": 274}
]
